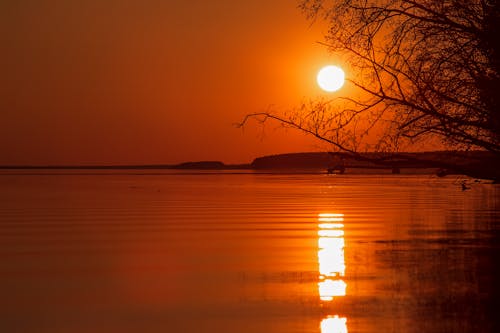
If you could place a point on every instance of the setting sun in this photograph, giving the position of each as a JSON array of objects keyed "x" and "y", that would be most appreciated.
[{"x": 330, "y": 78}]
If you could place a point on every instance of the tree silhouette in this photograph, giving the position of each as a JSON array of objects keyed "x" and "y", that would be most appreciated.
[{"x": 426, "y": 71}]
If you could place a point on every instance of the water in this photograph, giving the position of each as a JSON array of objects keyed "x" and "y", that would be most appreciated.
[{"x": 223, "y": 252}]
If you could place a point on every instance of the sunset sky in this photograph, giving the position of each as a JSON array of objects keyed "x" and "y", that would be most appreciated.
[{"x": 151, "y": 81}]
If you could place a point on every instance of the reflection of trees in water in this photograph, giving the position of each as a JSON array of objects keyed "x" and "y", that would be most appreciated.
[{"x": 445, "y": 269}]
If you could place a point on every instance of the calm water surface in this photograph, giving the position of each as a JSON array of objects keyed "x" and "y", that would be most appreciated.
[{"x": 247, "y": 253}]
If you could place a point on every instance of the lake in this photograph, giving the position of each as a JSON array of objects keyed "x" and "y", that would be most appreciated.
[{"x": 162, "y": 251}]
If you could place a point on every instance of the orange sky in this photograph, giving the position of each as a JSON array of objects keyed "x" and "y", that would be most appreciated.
[{"x": 151, "y": 81}]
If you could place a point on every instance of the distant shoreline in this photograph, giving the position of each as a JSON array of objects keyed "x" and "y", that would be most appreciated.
[
  {"x": 121, "y": 167},
  {"x": 308, "y": 160}
]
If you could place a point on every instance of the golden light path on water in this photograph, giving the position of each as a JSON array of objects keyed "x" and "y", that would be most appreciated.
[
  {"x": 331, "y": 267},
  {"x": 334, "y": 324}
]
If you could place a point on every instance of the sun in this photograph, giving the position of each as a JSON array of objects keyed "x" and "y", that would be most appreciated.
[{"x": 330, "y": 78}]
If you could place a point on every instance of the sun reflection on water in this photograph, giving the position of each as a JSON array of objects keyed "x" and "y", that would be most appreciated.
[
  {"x": 334, "y": 324},
  {"x": 331, "y": 267},
  {"x": 331, "y": 256}
]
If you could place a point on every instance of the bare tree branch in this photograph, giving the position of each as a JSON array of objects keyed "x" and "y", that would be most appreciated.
[{"x": 425, "y": 71}]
